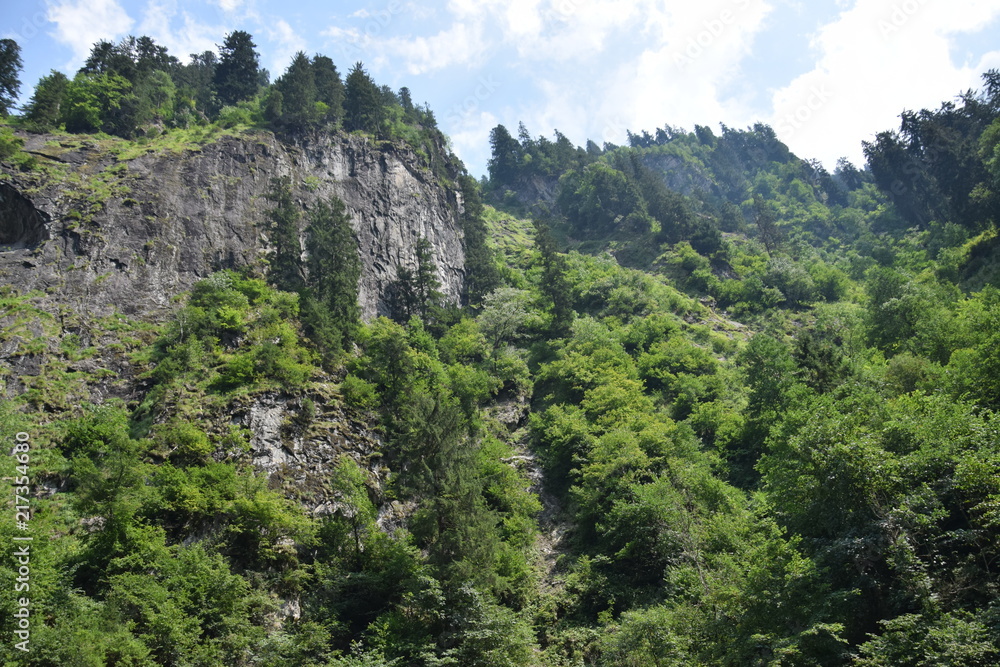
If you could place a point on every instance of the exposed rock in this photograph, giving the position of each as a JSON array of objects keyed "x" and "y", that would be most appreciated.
[
  {"x": 104, "y": 235},
  {"x": 21, "y": 224},
  {"x": 298, "y": 452}
]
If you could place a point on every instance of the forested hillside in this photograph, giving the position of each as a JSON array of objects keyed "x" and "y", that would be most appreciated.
[{"x": 699, "y": 402}]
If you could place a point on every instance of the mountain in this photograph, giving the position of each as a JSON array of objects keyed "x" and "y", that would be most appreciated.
[{"x": 283, "y": 385}]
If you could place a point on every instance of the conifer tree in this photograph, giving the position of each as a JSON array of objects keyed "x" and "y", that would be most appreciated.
[
  {"x": 298, "y": 93},
  {"x": 554, "y": 284},
  {"x": 286, "y": 267},
  {"x": 329, "y": 87},
  {"x": 43, "y": 109},
  {"x": 10, "y": 68},
  {"x": 237, "y": 74},
  {"x": 334, "y": 268},
  {"x": 506, "y": 160},
  {"x": 362, "y": 102}
]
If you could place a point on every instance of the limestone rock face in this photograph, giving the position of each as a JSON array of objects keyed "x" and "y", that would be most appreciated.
[{"x": 104, "y": 233}]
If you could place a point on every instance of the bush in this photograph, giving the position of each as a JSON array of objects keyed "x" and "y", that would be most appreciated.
[
  {"x": 233, "y": 116},
  {"x": 10, "y": 145},
  {"x": 359, "y": 393}
]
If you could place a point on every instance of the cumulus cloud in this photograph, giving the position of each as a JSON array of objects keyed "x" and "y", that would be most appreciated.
[
  {"x": 285, "y": 44},
  {"x": 180, "y": 32},
  {"x": 81, "y": 23},
  {"x": 877, "y": 58}
]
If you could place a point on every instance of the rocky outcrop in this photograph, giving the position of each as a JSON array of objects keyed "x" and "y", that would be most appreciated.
[
  {"x": 104, "y": 231},
  {"x": 680, "y": 175}
]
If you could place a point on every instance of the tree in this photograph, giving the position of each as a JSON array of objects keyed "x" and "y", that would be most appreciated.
[
  {"x": 286, "y": 267},
  {"x": 196, "y": 80},
  {"x": 554, "y": 284},
  {"x": 329, "y": 87},
  {"x": 505, "y": 163},
  {"x": 481, "y": 273},
  {"x": 298, "y": 93},
  {"x": 10, "y": 68},
  {"x": 238, "y": 72},
  {"x": 362, "y": 102},
  {"x": 45, "y": 106},
  {"x": 415, "y": 291},
  {"x": 767, "y": 229},
  {"x": 93, "y": 102},
  {"x": 334, "y": 269}
]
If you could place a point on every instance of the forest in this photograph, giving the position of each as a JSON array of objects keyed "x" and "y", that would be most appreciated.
[{"x": 702, "y": 402}]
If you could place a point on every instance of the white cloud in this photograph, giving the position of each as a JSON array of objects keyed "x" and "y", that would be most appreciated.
[
  {"x": 876, "y": 59},
  {"x": 191, "y": 36},
  {"x": 229, "y": 5},
  {"x": 601, "y": 66},
  {"x": 462, "y": 43},
  {"x": 285, "y": 44},
  {"x": 81, "y": 23},
  {"x": 468, "y": 137}
]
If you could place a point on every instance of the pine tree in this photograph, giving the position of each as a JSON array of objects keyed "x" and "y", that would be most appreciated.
[
  {"x": 362, "y": 102},
  {"x": 298, "y": 93},
  {"x": 425, "y": 279},
  {"x": 481, "y": 274},
  {"x": 196, "y": 80},
  {"x": 329, "y": 87},
  {"x": 10, "y": 69},
  {"x": 505, "y": 164},
  {"x": 43, "y": 109},
  {"x": 334, "y": 268},
  {"x": 554, "y": 284},
  {"x": 286, "y": 267},
  {"x": 238, "y": 72}
]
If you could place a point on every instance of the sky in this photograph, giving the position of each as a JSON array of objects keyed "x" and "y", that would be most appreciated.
[{"x": 825, "y": 74}]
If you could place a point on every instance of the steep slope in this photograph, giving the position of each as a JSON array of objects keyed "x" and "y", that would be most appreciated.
[{"x": 109, "y": 227}]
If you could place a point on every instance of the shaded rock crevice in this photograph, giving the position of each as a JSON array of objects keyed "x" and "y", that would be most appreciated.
[{"x": 22, "y": 226}]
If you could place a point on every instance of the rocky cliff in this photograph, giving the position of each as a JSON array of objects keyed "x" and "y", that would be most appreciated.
[{"x": 104, "y": 226}]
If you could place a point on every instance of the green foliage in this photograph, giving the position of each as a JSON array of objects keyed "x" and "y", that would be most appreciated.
[
  {"x": 237, "y": 72},
  {"x": 914, "y": 640},
  {"x": 93, "y": 103},
  {"x": 665, "y": 446},
  {"x": 362, "y": 108},
  {"x": 10, "y": 69},
  {"x": 330, "y": 309},
  {"x": 10, "y": 144}
]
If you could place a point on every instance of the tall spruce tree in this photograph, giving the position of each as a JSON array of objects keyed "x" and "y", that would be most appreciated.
[
  {"x": 298, "y": 93},
  {"x": 554, "y": 284},
  {"x": 481, "y": 274},
  {"x": 10, "y": 69},
  {"x": 331, "y": 311},
  {"x": 505, "y": 163},
  {"x": 43, "y": 109},
  {"x": 286, "y": 267},
  {"x": 237, "y": 74},
  {"x": 362, "y": 102},
  {"x": 329, "y": 87}
]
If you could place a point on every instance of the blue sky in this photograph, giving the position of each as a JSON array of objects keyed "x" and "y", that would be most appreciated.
[{"x": 825, "y": 74}]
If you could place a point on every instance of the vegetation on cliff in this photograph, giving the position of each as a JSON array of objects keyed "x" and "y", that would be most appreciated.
[{"x": 702, "y": 403}]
